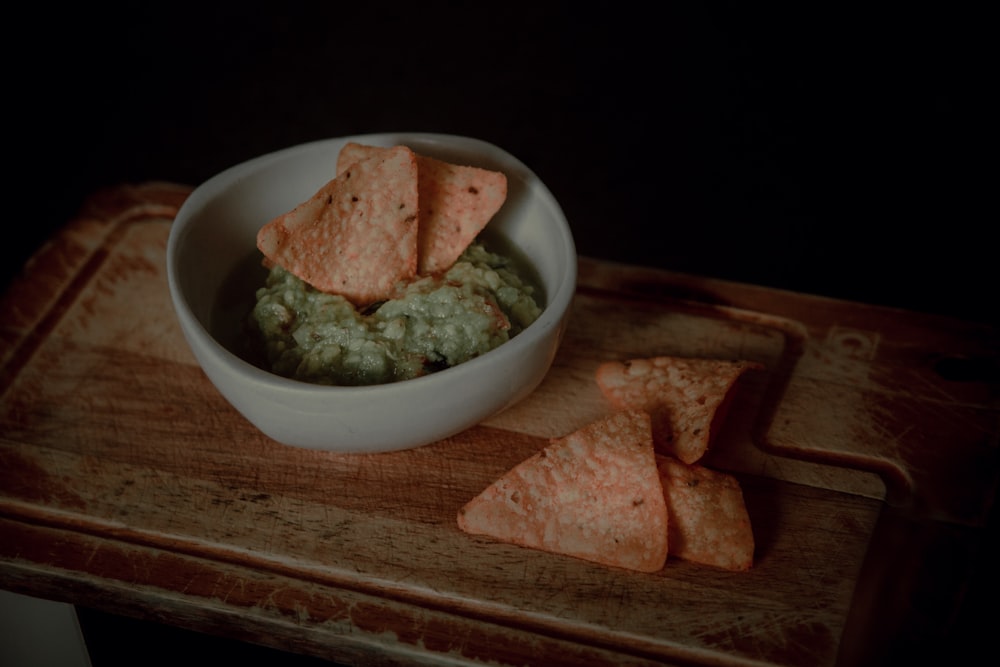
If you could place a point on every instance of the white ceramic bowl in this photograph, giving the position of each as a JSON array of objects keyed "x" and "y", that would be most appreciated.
[{"x": 213, "y": 269}]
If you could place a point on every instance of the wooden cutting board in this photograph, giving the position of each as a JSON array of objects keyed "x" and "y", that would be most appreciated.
[{"x": 128, "y": 484}]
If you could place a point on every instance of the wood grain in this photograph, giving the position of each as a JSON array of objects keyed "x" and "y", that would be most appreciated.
[{"x": 127, "y": 482}]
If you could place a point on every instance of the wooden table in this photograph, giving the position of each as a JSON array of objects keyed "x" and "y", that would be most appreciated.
[{"x": 129, "y": 485}]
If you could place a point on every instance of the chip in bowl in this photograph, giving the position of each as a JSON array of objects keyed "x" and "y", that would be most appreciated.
[
  {"x": 357, "y": 236},
  {"x": 456, "y": 203}
]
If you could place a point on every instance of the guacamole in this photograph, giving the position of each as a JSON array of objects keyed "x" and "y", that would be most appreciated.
[{"x": 434, "y": 323}]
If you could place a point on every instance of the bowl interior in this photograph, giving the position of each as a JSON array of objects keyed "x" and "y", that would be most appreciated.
[{"x": 215, "y": 265}]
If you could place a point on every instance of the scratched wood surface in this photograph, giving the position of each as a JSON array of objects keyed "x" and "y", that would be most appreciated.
[{"x": 127, "y": 483}]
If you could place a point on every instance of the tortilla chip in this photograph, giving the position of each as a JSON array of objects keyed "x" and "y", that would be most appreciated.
[
  {"x": 686, "y": 398},
  {"x": 357, "y": 236},
  {"x": 594, "y": 494},
  {"x": 456, "y": 203},
  {"x": 709, "y": 523}
]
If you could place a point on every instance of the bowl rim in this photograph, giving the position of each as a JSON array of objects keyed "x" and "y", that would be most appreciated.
[{"x": 558, "y": 302}]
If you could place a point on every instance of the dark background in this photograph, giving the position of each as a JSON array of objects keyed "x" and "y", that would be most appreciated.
[
  {"x": 828, "y": 149},
  {"x": 832, "y": 149}
]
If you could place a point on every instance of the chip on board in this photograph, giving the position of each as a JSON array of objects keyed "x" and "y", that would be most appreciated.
[
  {"x": 357, "y": 236},
  {"x": 686, "y": 398},
  {"x": 456, "y": 203},
  {"x": 709, "y": 523},
  {"x": 594, "y": 494}
]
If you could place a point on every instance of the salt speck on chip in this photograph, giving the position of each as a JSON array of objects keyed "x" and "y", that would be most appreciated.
[
  {"x": 594, "y": 494},
  {"x": 456, "y": 203},
  {"x": 357, "y": 236},
  {"x": 686, "y": 398}
]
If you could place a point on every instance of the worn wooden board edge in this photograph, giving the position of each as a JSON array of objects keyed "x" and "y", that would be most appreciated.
[
  {"x": 167, "y": 213},
  {"x": 785, "y": 516},
  {"x": 332, "y": 623},
  {"x": 155, "y": 227},
  {"x": 69, "y": 257},
  {"x": 67, "y": 548}
]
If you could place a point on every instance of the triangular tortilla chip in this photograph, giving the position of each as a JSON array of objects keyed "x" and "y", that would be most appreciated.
[
  {"x": 456, "y": 203},
  {"x": 594, "y": 494},
  {"x": 686, "y": 398},
  {"x": 709, "y": 523},
  {"x": 357, "y": 236}
]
